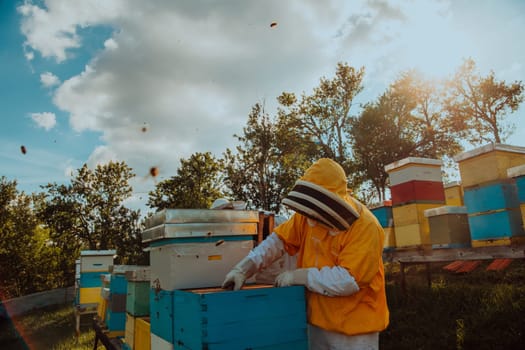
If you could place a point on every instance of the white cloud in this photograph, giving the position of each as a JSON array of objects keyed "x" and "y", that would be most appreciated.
[
  {"x": 49, "y": 79},
  {"x": 46, "y": 120}
]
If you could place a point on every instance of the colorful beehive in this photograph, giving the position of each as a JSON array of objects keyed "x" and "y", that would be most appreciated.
[
  {"x": 454, "y": 194},
  {"x": 196, "y": 248},
  {"x": 142, "y": 336},
  {"x": 411, "y": 225},
  {"x": 161, "y": 315},
  {"x": 255, "y": 317},
  {"x": 415, "y": 185},
  {"x": 414, "y": 169},
  {"x": 137, "y": 300},
  {"x": 488, "y": 163},
  {"x": 137, "y": 304},
  {"x": 449, "y": 227},
  {"x": 494, "y": 213},
  {"x": 518, "y": 174},
  {"x": 383, "y": 213},
  {"x": 118, "y": 288},
  {"x": 92, "y": 264}
]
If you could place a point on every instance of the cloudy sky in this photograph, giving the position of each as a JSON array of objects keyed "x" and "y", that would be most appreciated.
[{"x": 81, "y": 79}]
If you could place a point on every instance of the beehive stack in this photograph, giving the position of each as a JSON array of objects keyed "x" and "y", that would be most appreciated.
[
  {"x": 196, "y": 248},
  {"x": 383, "y": 213},
  {"x": 115, "y": 320},
  {"x": 137, "y": 308},
  {"x": 93, "y": 263},
  {"x": 415, "y": 186},
  {"x": 490, "y": 197}
]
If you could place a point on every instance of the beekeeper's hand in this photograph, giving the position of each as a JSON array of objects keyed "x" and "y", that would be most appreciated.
[
  {"x": 293, "y": 277},
  {"x": 237, "y": 276}
]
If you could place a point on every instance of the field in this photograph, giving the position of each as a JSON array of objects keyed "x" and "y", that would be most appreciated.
[{"x": 478, "y": 310}]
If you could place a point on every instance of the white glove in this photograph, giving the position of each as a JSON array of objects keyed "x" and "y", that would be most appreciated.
[
  {"x": 237, "y": 276},
  {"x": 294, "y": 277}
]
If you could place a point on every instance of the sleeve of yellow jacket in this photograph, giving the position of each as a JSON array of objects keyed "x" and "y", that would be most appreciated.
[{"x": 359, "y": 251}]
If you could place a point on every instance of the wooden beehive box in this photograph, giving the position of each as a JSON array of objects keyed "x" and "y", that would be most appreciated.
[
  {"x": 414, "y": 168},
  {"x": 453, "y": 194},
  {"x": 449, "y": 227},
  {"x": 488, "y": 163},
  {"x": 492, "y": 196},
  {"x": 137, "y": 300},
  {"x": 254, "y": 317}
]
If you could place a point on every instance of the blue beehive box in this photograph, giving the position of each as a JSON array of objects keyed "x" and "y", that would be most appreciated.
[
  {"x": 256, "y": 317},
  {"x": 115, "y": 321},
  {"x": 90, "y": 279},
  {"x": 384, "y": 215},
  {"x": 495, "y": 225},
  {"x": 494, "y": 196},
  {"x": 118, "y": 284},
  {"x": 161, "y": 314}
]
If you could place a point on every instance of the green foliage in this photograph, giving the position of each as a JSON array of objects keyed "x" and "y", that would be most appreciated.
[
  {"x": 89, "y": 214},
  {"x": 323, "y": 117},
  {"x": 404, "y": 122},
  {"x": 477, "y": 105},
  {"x": 196, "y": 185},
  {"x": 266, "y": 164},
  {"x": 28, "y": 262}
]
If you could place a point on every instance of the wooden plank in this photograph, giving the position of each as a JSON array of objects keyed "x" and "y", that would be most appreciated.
[{"x": 451, "y": 254}]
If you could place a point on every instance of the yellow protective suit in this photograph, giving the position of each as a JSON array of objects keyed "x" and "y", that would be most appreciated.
[{"x": 358, "y": 250}]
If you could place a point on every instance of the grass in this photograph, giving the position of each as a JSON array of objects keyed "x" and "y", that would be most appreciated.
[
  {"x": 51, "y": 328},
  {"x": 479, "y": 310}
]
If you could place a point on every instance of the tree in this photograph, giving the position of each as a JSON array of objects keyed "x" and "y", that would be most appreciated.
[
  {"x": 477, "y": 105},
  {"x": 89, "y": 213},
  {"x": 405, "y": 121},
  {"x": 324, "y": 116},
  {"x": 196, "y": 185},
  {"x": 267, "y": 160},
  {"x": 28, "y": 263}
]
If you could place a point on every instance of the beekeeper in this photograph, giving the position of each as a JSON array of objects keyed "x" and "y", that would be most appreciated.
[{"x": 338, "y": 243}]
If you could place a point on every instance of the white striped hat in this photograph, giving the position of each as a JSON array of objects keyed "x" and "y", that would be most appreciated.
[{"x": 318, "y": 203}]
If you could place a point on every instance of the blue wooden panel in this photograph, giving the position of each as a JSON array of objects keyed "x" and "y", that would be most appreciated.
[
  {"x": 496, "y": 225},
  {"x": 384, "y": 215},
  {"x": 137, "y": 300},
  {"x": 115, "y": 321},
  {"x": 495, "y": 196},
  {"x": 118, "y": 284},
  {"x": 520, "y": 184},
  {"x": 90, "y": 279},
  {"x": 161, "y": 314},
  {"x": 211, "y": 239},
  {"x": 249, "y": 318}
]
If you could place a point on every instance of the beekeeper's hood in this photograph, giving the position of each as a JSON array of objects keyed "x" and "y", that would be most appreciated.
[{"x": 321, "y": 194}]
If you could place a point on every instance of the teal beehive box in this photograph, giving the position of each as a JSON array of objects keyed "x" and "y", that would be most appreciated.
[
  {"x": 137, "y": 301},
  {"x": 255, "y": 317}
]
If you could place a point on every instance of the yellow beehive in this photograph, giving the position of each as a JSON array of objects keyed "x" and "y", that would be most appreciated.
[
  {"x": 129, "y": 334},
  {"x": 454, "y": 194},
  {"x": 412, "y": 235},
  {"x": 410, "y": 214},
  {"x": 142, "y": 334},
  {"x": 89, "y": 295},
  {"x": 488, "y": 163},
  {"x": 101, "y": 309},
  {"x": 390, "y": 238}
]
